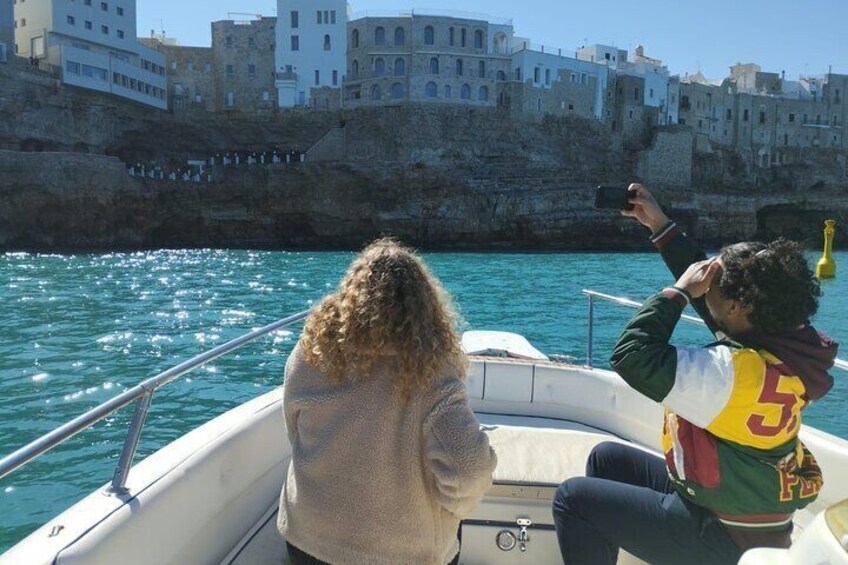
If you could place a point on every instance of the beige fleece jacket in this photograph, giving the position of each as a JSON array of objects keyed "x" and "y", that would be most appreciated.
[{"x": 376, "y": 478}]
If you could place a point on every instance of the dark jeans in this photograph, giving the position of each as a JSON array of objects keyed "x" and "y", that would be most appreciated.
[{"x": 626, "y": 500}]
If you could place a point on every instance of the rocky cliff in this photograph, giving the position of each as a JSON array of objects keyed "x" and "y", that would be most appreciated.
[{"x": 439, "y": 178}]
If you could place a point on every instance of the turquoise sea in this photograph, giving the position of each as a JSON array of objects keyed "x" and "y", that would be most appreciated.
[{"x": 78, "y": 329}]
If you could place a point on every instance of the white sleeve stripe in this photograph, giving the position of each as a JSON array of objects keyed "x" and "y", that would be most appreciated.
[{"x": 702, "y": 385}]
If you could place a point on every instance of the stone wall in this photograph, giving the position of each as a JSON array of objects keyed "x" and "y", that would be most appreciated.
[
  {"x": 243, "y": 54},
  {"x": 191, "y": 76},
  {"x": 668, "y": 162}
]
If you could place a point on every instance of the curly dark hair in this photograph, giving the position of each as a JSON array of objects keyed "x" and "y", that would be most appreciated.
[{"x": 773, "y": 282}]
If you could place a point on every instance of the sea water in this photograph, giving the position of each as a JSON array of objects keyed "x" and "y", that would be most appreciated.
[{"x": 76, "y": 330}]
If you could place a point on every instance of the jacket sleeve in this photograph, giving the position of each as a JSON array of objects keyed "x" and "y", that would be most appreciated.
[
  {"x": 679, "y": 252},
  {"x": 458, "y": 453},
  {"x": 294, "y": 366},
  {"x": 642, "y": 356}
]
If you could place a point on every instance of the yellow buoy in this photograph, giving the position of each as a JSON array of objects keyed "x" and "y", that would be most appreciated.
[{"x": 826, "y": 267}]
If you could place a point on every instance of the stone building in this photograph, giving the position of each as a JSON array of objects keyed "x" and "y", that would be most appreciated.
[
  {"x": 191, "y": 75},
  {"x": 763, "y": 116},
  {"x": 427, "y": 59},
  {"x": 93, "y": 45},
  {"x": 552, "y": 83},
  {"x": 7, "y": 30},
  {"x": 243, "y": 55},
  {"x": 310, "y": 51}
]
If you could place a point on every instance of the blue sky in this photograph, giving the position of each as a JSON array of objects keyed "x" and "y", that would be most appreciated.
[{"x": 798, "y": 36}]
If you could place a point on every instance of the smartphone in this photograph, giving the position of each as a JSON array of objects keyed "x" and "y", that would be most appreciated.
[{"x": 613, "y": 198}]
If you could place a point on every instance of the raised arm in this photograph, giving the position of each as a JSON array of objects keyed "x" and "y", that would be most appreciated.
[{"x": 676, "y": 248}]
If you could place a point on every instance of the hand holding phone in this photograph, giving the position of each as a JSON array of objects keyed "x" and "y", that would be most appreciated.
[{"x": 613, "y": 198}]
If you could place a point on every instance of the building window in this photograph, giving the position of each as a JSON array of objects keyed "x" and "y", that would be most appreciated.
[
  {"x": 229, "y": 70},
  {"x": 791, "y": 117},
  {"x": 478, "y": 39},
  {"x": 465, "y": 92},
  {"x": 451, "y": 39},
  {"x": 501, "y": 76},
  {"x": 229, "y": 41},
  {"x": 459, "y": 67},
  {"x": 547, "y": 77},
  {"x": 379, "y": 67},
  {"x": 88, "y": 25},
  {"x": 319, "y": 18},
  {"x": 354, "y": 69},
  {"x": 104, "y": 6},
  {"x": 231, "y": 100},
  {"x": 120, "y": 11},
  {"x": 23, "y": 22},
  {"x": 333, "y": 17},
  {"x": 251, "y": 71},
  {"x": 326, "y": 42},
  {"x": 537, "y": 75},
  {"x": 636, "y": 94},
  {"x": 376, "y": 92},
  {"x": 429, "y": 36},
  {"x": 380, "y": 36},
  {"x": 335, "y": 76},
  {"x": 583, "y": 78},
  {"x": 397, "y": 91},
  {"x": 447, "y": 91},
  {"x": 400, "y": 36},
  {"x": 251, "y": 42},
  {"x": 651, "y": 94},
  {"x": 295, "y": 43},
  {"x": 762, "y": 117},
  {"x": 354, "y": 39},
  {"x": 73, "y": 68},
  {"x": 317, "y": 77},
  {"x": 104, "y": 30},
  {"x": 400, "y": 67},
  {"x": 88, "y": 2},
  {"x": 120, "y": 34},
  {"x": 434, "y": 66},
  {"x": 295, "y": 19},
  {"x": 431, "y": 90},
  {"x": 483, "y": 94},
  {"x": 745, "y": 115},
  {"x": 482, "y": 68},
  {"x": 71, "y": 20},
  {"x": 463, "y": 34}
]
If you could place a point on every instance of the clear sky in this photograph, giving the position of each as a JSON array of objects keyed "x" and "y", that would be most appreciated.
[{"x": 796, "y": 36}]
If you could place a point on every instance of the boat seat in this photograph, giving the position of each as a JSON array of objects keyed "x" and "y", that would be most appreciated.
[
  {"x": 262, "y": 545},
  {"x": 534, "y": 456}
]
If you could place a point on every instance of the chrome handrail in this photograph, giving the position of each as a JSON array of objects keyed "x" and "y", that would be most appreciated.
[
  {"x": 592, "y": 295},
  {"x": 143, "y": 393}
]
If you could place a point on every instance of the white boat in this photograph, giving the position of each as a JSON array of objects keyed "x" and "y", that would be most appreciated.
[{"x": 211, "y": 496}]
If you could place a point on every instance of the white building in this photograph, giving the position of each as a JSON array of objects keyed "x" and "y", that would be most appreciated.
[
  {"x": 543, "y": 67},
  {"x": 311, "y": 48},
  {"x": 604, "y": 54},
  {"x": 93, "y": 44},
  {"x": 7, "y": 30}
]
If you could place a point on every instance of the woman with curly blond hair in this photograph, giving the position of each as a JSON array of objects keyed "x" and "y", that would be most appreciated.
[{"x": 387, "y": 456}]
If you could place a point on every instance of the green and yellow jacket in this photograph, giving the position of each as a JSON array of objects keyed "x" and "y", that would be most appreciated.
[{"x": 733, "y": 408}]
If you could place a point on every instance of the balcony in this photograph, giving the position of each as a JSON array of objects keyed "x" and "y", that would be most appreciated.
[{"x": 286, "y": 75}]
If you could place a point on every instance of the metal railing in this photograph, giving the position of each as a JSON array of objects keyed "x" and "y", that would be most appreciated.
[
  {"x": 591, "y": 295},
  {"x": 142, "y": 393}
]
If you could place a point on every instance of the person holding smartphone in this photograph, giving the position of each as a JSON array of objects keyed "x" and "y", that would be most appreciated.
[{"x": 733, "y": 470}]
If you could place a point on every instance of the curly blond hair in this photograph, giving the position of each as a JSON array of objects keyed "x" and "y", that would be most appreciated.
[{"x": 388, "y": 308}]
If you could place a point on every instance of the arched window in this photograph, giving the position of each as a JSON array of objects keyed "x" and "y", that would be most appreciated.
[
  {"x": 380, "y": 36},
  {"x": 478, "y": 39},
  {"x": 354, "y": 39},
  {"x": 400, "y": 36},
  {"x": 397, "y": 91},
  {"x": 434, "y": 66},
  {"x": 431, "y": 90},
  {"x": 354, "y": 69},
  {"x": 429, "y": 35},
  {"x": 501, "y": 76},
  {"x": 376, "y": 92},
  {"x": 326, "y": 42},
  {"x": 465, "y": 93},
  {"x": 400, "y": 67},
  {"x": 459, "y": 67},
  {"x": 482, "y": 69},
  {"x": 379, "y": 67},
  {"x": 483, "y": 94},
  {"x": 447, "y": 91}
]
